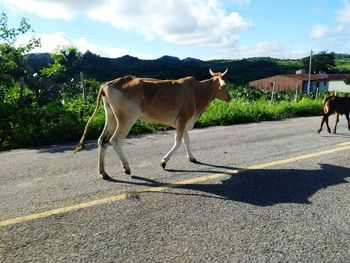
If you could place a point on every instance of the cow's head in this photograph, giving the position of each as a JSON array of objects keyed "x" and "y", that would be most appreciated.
[{"x": 220, "y": 85}]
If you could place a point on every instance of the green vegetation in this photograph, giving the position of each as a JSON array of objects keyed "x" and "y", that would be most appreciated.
[
  {"x": 342, "y": 63},
  {"x": 46, "y": 106},
  {"x": 63, "y": 121}
]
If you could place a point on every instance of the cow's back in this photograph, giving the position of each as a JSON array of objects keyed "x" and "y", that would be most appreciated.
[
  {"x": 165, "y": 101},
  {"x": 337, "y": 104},
  {"x": 161, "y": 101}
]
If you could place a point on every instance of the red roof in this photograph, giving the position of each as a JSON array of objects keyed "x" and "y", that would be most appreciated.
[{"x": 318, "y": 76}]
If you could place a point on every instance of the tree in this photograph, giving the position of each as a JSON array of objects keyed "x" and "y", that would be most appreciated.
[
  {"x": 66, "y": 64},
  {"x": 12, "y": 60},
  {"x": 322, "y": 61},
  {"x": 65, "y": 69}
]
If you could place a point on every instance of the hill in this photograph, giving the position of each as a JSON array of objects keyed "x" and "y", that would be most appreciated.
[{"x": 167, "y": 67}]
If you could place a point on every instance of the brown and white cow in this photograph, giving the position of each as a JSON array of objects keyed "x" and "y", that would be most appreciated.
[
  {"x": 337, "y": 105},
  {"x": 176, "y": 103}
]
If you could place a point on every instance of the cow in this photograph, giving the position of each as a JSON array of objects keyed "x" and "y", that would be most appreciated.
[
  {"x": 338, "y": 105},
  {"x": 175, "y": 103}
]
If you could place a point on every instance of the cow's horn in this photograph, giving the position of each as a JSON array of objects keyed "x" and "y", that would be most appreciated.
[{"x": 211, "y": 72}]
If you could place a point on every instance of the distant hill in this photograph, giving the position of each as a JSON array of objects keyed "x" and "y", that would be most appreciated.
[{"x": 167, "y": 67}]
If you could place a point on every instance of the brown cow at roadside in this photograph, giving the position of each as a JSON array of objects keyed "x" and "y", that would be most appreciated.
[
  {"x": 176, "y": 103},
  {"x": 337, "y": 105}
]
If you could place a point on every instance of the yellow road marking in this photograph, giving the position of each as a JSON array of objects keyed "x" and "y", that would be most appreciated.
[
  {"x": 343, "y": 143},
  {"x": 124, "y": 196}
]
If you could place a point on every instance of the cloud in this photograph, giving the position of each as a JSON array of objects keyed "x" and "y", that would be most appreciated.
[
  {"x": 49, "y": 42},
  {"x": 241, "y": 2},
  {"x": 343, "y": 18},
  {"x": 319, "y": 31},
  {"x": 42, "y": 8},
  {"x": 335, "y": 37},
  {"x": 343, "y": 14},
  {"x": 52, "y": 9},
  {"x": 185, "y": 22},
  {"x": 266, "y": 49},
  {"x": 58, "y": 40}
]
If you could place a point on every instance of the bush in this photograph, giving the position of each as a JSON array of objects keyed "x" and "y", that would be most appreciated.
[{"x": 27, "y": 123}]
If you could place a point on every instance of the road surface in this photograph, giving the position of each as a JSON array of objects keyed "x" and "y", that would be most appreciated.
[{"x": 263, "y": 192}]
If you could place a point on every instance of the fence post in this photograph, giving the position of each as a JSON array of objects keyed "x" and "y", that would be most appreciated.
[
  {"x": 273, "y": 91},
  {"x": 296, "y": 93},
  {"x": 82, "y": 85}
]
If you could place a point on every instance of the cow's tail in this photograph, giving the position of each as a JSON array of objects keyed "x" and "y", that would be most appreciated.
[{"x": 81, "y": 145}]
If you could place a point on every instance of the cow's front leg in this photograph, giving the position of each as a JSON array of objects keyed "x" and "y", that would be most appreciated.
[
  {"x": 177, "y": 143},
  {"x": 336, "y": 122},
  {"x": 328, "y": 128},
  {"x": 186, "y": 141}
]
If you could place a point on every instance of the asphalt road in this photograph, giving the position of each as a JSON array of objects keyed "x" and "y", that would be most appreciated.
[{"x": 263, "y": 192}]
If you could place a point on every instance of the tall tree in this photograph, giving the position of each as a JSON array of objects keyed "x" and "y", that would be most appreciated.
[
  {"x": 322, "y": 61},
  {"x": 12, "y": 60},
  {"x": 66, "y": 64}
]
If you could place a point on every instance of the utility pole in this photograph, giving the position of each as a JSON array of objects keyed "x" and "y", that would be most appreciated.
[{"x": 308, "y": 83}]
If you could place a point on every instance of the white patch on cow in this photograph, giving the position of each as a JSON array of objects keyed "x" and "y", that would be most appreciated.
[{"x": 222, "y": 83}]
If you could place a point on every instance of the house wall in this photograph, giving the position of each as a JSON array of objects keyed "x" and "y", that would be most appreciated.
[
  {"x": 322, "y": 85},
  {"x": 339, "y": 86},
  {"x": 282, "y": 83}
]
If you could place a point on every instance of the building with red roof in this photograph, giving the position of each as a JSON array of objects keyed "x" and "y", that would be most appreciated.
[{"x": 291, "y": 82}]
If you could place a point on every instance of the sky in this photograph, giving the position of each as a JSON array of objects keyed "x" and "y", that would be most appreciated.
[{"x": 203, "y": 29}]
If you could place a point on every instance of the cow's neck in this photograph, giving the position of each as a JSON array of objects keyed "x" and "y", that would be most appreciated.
[{"x": 205, "y": 94}]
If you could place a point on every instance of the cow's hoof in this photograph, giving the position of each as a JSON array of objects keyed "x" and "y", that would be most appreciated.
[
  {"x": 318, "y": 131},
  {"x": 193, "y": 160},
  {"x": 127, "y": 171},
  {"x": 105, "y": 176},
  {"x": 334, "y": 132},
  {"x": 163, "y": 164}
]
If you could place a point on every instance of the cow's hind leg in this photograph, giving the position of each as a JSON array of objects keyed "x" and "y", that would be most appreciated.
[
  {"x": 336, "y": 122},
  {"x": 324, "y": 120},
  {"x": 347, "y": 118},
  {"x": 186, "y": 141},
  {"x": 103, "y": 141},
  {"x": 124, "y": 125},
  {"x": 178, "y": 137}
]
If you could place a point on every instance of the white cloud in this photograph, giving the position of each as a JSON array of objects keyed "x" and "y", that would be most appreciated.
[
  {"x": 57, "y": 40},
  {"x": 261, "y": 49},
  {"x": 266, "y": 49},
  {"x": 83, "y": 45},
  {"x": 343, "y": 14},
  {"x": 42, "y": 8},
  {"x": 343, "y": 18},
  {"x": 335, "y": 37},
  {"x": 49, "y": 42},
  {"x": 319, "y": 31},
  {"x": 241, "y": 2},
  {"x": 194, "y": 22}
]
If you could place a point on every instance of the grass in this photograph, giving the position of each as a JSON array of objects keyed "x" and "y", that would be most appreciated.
[{"x": 35, "y": 125}]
